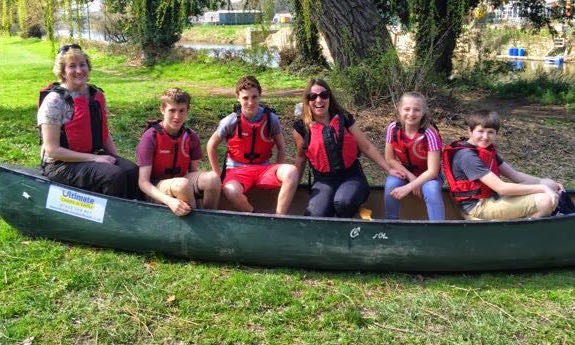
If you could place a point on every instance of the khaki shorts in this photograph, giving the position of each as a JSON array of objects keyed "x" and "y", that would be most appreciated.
[
  {"x": 505, "y": 207},
  {"x": 165, "y": 186}
]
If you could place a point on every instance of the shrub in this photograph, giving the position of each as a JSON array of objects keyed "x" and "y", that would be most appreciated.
[
  {"x": 36, "y": 31},
  {"x": 544, "y": 88},
  {"x": 287, "y": 56},
  {"x": 381, "y": 77}
]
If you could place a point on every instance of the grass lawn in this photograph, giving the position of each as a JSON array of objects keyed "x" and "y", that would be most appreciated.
[
  {"x": 59, "y": 293},
  {"x": 224, "y": 34}
]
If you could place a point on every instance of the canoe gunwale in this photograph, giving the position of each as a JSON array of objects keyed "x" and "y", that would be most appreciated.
[
  {"x": 35, "y": 174},
  {"x": 267, "y": 240}
]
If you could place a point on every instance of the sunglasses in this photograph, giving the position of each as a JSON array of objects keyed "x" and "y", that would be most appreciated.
[
  {"x": 67, "y": 47},
  {"x": 314, "y": 96}
]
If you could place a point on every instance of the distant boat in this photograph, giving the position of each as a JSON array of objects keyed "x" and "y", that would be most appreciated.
[{"x": 39, "y": 208}]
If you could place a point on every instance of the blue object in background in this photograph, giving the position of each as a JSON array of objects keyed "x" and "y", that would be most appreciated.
[
  {"x": 512, "y": 51},
  {"x": 521, "y": 52}
]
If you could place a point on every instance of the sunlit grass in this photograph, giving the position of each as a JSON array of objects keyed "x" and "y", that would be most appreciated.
[{"x": 72, "y": 294}]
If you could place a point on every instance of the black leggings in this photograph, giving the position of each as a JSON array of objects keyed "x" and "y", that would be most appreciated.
[
  {"x": 338, "y": 195},
  {"x": 119, "y": 179}
]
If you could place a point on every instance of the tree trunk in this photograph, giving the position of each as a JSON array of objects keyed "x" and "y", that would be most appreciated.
[{"x": 352, "y": 29}]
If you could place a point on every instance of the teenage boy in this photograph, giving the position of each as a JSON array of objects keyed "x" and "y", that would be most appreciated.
[
  {"x": 168, "y": 155},
  {"x": 251, "y": 133},
  {"x": 473, "y": 169}
]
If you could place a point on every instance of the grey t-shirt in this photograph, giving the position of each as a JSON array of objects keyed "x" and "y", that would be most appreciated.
[
  {"x": 466, "y": 165},
  {"x": 227, "y": 126}
]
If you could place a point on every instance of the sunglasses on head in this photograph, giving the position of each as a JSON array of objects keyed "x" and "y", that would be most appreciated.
[
  {"x": 67, "y": 47},
  {"x": 314, "y": 96}
]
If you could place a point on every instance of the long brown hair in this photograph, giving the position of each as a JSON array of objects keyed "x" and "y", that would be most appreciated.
[{"x": 334, "y": 107}]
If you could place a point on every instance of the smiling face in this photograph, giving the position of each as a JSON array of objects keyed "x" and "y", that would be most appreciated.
[
  {"x": 250, "y": 101},
  {"x": 481, "y": 136},
  {"x": 175, "y": 115},
  {"x": 318, "y": 100},
  {"x": 410, "y": 112},
  {"x": 76, "y": 73}
]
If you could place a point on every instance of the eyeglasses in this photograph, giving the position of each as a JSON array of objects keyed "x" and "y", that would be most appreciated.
[
  {"x": 314, "y": 96},
  {"x": 67, "y": 47}
]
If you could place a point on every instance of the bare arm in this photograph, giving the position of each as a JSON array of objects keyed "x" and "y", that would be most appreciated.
[
  {"x": 194, "y": 165},
  {"x": 433, "y": 162},
  {"x": 511, "y": 188},
  {"x": 110, "y": 146},
  {"x": 395, "y": 163},
  {"x": 51, "y": 142},
  {"x": 371, "y": 152},
  {"x": 281, "y": 145},
  {"x": 178, "y": 207},
  {"x": 300, "y": 160},
  {"x": 520, "y": 177},
  {"x": 212, "y": 148}
]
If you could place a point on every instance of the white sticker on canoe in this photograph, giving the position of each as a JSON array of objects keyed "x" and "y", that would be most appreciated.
[{"x": 76, "y": 204}]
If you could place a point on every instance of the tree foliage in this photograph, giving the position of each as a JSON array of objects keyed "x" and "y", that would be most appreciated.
[
  {"x": 155, "y": 25},
  {"x": 306, "y": 36}
]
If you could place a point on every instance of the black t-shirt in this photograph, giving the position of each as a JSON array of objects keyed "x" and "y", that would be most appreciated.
[
  {"x": 299, "y": 126},
  {"x": 466, "y": 165}
]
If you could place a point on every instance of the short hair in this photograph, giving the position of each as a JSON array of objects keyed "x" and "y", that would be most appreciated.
[
  {"x": 426, "y": 119},
  {"x": 246, "y": 83},
  {"x": 175, "y": 95},
  {"x": 484, "y": 118},
  {"x": 66, "y": 55}
]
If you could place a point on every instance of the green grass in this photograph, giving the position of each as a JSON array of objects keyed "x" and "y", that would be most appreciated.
[
  {"x": 71, "y": 294},
  {"x": 216, "y": 33}
]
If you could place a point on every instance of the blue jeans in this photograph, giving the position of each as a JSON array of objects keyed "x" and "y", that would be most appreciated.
[
  {"x": 431, "y": 191},
  {"x": 339, "y": 195}
]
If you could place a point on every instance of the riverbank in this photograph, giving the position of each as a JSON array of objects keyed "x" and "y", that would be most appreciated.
[{"x": 53, "y": 292}]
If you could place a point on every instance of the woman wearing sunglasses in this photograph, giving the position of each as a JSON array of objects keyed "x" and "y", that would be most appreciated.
[
  {"x": 77, "y": 148},
  {"x": 329, "y": 138}
]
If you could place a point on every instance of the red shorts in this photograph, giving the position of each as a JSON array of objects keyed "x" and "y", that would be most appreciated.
[{"x": 258, "y": 176}]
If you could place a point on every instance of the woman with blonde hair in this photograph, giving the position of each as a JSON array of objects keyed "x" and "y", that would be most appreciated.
[
  {"x": 330, "y": 139},
  {"x": 77, "y": 148}
]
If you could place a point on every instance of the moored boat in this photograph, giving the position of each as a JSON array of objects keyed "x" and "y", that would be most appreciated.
[{"x": 40, "y": 208}]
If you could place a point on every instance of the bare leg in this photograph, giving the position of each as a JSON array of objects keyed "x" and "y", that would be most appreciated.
[
  {"x": 234, "y": 192},
  {"x": 182, "y": 189},
  {"x": 288, "y": 175},
  {"x": 211, "y": 185}
]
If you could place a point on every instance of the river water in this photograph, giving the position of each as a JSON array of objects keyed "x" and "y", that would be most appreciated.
[
  {"x": 271, "y": 58},
  {"x": 529, "y": 68}
]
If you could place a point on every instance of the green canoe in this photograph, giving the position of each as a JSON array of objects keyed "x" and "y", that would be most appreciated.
[{"x": 40, "y": 208}]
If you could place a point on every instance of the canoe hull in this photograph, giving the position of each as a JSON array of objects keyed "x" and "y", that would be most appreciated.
[{"x": 291, "y": 241}]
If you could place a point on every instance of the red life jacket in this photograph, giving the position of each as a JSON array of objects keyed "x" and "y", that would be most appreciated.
[
  {"x": 252, "y": 142},
  {"x": 469, "y": 189},
  {"x": 87, "y": 131},
  {"x": 172, "y": 155},
  {"x": 325, "y": 150},
  {"x": 412, "y": 153}
]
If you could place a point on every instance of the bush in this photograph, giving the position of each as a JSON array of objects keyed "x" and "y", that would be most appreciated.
[
  {"x": 544, "y": 88},
  {"x": 381, "y": 77},
  {"x": 483, "y": 74},
  {"x": 36, "y": 31},
  {"x": 287, "y": 56}
]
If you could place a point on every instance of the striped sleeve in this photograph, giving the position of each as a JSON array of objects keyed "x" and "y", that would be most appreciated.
[
  {"x": 388, "y": 136},
  {"x": 434, "y": 142}
]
